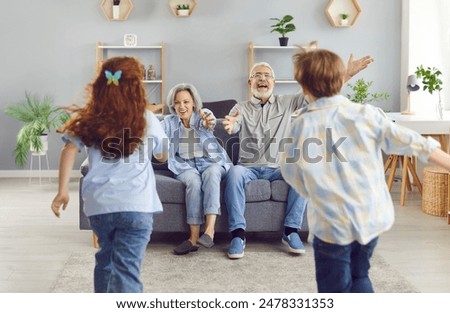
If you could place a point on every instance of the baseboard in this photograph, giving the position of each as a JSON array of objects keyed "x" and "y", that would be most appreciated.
[{"x": 36, "y": 173}]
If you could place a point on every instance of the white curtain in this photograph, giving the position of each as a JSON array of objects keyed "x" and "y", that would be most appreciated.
[{"x": 425, "y": 41}]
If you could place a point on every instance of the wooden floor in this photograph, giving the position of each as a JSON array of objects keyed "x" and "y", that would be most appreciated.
[{"x": 34, "y": 244}]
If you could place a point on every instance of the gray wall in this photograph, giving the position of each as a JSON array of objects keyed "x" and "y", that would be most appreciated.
[{"x": 48, "y": 47}]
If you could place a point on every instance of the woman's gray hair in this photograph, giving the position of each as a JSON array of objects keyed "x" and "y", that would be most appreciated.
[
  {"x": 198, "y": 104},
  {"x": 265, "y": 64}
]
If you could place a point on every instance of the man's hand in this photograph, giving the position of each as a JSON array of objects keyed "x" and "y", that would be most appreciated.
[
  {"x": 355, "y": 66},
  {"x": 60, "y": 200},
  {"x": 229, "y": 121},
  {"x": 209, "y": 120}
]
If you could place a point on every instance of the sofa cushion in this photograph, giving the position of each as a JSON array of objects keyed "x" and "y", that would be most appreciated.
[
  {"x": 280, "y": 190},
  {"x": 229, "y": 142},
  {"x": 169, "y": 189},
  {"x": 220, "y": 108},
  {"x": 257, "y": 191},
  {"x": 159, "y": 165}
]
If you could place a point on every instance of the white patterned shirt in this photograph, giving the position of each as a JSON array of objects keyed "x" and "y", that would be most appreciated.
[{"x": 335, "y": 161}]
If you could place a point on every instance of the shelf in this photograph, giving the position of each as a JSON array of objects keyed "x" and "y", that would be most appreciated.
[
  {"x": 125, "y": 47},
  {"x": 154, "y": 81},
  {"x": 335, "y": 8},
  {"x": 285, "y": 81},
  {"x": 125, "y": 7},
  {"x": 153, "y": 84},
  {"x": 173, "y": 6},
  {"x": 275, "y": 49}
]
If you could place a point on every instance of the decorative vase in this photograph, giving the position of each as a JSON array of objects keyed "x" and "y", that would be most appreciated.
[
  {"x": 151, "y": 73},
  {"x": 344, "y": 22},
  {"x": 44, "y": 146},
  {"x": 183, "y": 12},
  {"x": 116, "y": 12},
  {"x": 283, "y": 41},
  {"x": 440, "y": 109}
]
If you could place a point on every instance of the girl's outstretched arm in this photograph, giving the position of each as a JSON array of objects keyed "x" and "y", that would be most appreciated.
[{"x": 66, "y": 163}]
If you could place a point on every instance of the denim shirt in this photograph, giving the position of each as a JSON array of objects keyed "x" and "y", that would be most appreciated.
[{"x": 212, "y": 150}]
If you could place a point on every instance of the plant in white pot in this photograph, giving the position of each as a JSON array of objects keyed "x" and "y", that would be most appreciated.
[
  {"x": 183, "y": 9},
  {"x": 344, "y": 19},
  {"x": 116, "y": 9},
  {"x": 40, "y": 117},
  {"x": 432, "y": 82},
  {"x": 283, "y": 27}
]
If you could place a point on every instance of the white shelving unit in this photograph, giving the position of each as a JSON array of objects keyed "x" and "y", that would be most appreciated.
[
  {"x": 102, "y": 53},
  {"x": 252, "y": 54}
]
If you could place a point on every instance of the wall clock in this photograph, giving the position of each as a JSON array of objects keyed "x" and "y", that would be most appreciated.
[{"x": 130, "y": 40}]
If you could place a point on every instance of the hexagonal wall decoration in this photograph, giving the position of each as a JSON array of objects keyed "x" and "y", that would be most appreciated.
[
  {"x": 336, "y": 8},
  {"x": 173, "y": 6},
  {"x": 125, "y": 8}
]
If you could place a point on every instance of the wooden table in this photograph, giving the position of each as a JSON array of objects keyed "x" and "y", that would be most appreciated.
[{"x": 425, "y": 125}]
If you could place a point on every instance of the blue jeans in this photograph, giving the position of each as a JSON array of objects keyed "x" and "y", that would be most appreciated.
[
  {"x": 343, "y": 268},
  {"x": 202, "y": 189},
  {"x": 237, "y": 179},
  {"x": 123, "y": 238}
]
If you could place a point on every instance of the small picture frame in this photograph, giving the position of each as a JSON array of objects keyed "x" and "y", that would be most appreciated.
[{"x": 130, "y": 40}]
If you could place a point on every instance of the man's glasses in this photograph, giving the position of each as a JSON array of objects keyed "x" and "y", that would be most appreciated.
[{"x": 262, "y": 76}]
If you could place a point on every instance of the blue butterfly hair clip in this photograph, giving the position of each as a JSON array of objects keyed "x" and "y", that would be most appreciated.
[{"x": 113, "y": 78}]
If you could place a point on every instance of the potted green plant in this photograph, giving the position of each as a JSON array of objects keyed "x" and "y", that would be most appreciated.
[
  {"x": 344, "y": 19},
  {"x": 361, "y": 93},
  {"x": 432, "y": 82},
  {"x": 283, "y": 27},
  {"x": 183, "y": 9},
  {"x": 116, "y": 9},
  {"x": 40, "y": 117}
]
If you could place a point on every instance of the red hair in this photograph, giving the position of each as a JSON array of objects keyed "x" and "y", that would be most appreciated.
[{"x": 113, "y": 119}]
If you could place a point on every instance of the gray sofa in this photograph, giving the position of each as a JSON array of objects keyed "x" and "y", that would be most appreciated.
[{"x": 265, "y": 201}]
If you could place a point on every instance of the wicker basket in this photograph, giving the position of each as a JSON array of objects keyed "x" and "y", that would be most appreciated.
[{"x": 435, "y": 191}]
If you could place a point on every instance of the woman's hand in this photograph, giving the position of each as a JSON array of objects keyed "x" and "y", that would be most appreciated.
[{"x": 209, "y": 120}]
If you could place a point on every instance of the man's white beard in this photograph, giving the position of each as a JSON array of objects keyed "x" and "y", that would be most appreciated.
[{"x": 261, "y": 95}]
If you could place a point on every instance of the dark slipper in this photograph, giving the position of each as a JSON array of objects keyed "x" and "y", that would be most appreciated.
[
  {"x": 184, "y": 248},
  {"x": 206, "y": 241}
]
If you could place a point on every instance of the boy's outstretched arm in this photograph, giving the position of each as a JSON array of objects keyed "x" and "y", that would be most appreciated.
[
  {"x": 66, "y": 162},
  {"x": 440, "y": 158}
]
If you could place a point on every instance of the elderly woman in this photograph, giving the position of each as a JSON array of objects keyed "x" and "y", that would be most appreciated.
[{"x": 197, "y": 160}]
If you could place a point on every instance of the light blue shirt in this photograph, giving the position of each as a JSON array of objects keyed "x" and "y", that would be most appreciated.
[
  {"x": 212, "y": 150},
  {"x": 335, "y": 161},
  {"x": 125, "y": 184}
]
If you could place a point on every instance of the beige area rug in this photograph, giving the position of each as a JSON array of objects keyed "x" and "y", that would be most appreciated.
[{"x": 264, "y": 269}]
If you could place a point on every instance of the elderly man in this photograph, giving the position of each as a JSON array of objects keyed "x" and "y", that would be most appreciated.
[{"x": 262, "y": 123}]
